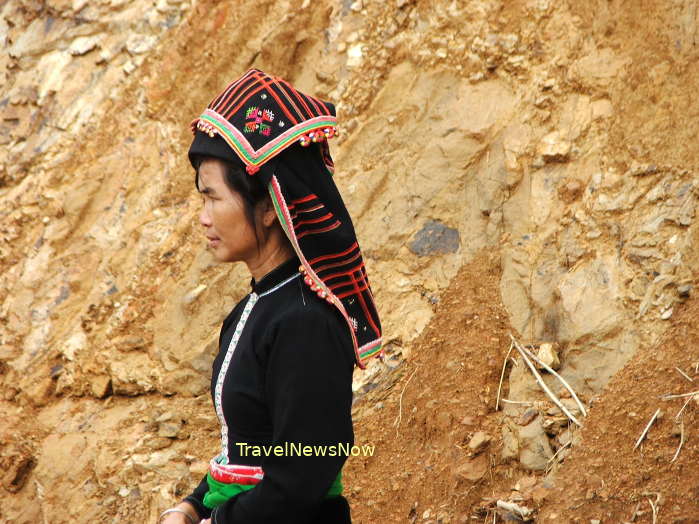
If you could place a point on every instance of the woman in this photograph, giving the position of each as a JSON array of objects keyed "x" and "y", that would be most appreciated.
[{"x": 281, "y": 383}]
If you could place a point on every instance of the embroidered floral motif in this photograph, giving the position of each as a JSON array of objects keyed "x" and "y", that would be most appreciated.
[
  {"x": 355, "y": 324},
  {"x": 258, "y": 119}
]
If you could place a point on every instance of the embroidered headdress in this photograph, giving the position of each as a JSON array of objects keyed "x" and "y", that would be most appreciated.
[{"x": 280, "y": 135}]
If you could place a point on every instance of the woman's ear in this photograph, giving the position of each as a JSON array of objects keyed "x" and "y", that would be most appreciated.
[{"x": 269, "y": 215}]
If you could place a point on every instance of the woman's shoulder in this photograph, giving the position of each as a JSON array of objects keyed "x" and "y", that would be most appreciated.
[
  {"x": 292, "y": 300},
  {"x": 307, "y": 309},
  {"x": 308, "y": 317}
]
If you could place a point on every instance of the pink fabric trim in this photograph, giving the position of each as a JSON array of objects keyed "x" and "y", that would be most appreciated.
[
  {"x": 309, "y": 270},
  {"x": 269, "y": 145}
]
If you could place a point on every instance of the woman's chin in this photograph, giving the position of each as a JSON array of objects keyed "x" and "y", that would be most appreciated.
[
  {"x": 218, "y": 253},
  {"x": 217, "y": 250},
  {"x": 222, "y": 255}
]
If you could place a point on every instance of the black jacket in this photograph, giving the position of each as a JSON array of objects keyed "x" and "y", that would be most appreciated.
[{"x": 288, "y": 381}]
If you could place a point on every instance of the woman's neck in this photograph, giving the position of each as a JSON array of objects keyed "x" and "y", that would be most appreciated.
[{"x": 274, "y": 253}]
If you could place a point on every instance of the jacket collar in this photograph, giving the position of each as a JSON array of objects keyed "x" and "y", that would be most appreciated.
[{"x": 280, "y": 273}]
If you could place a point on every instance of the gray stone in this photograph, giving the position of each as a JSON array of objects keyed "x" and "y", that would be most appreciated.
[
  {"x": 473, "y": 469},
  {"x": 549, "y": 356},
  {"x": 435, "y": 239},
  {"x": 528, "y": 416},
  {"x": 168, "y": 415},
  {"x": 479, "y": 441},
  {"x": 553, "y": 148},
  {"x": 169, "y": 429},
  {"x": 204, "y": 360},
  {"x": 100, "y": 385},
  {"x": 534, "y": 448},
  {"x": 139, "y": 44},
  {"x": 186, "y": 382},
  {"x": 565, "y": 437},
  {"x": 83, "y": 45},
  {"x": 129, "y": 343},
  {"x": 510, "y": 445},
  {"x": 143, "y": 462}
]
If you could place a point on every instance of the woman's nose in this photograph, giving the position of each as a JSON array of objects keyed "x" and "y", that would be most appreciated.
[{"x": 204, "y": 218}]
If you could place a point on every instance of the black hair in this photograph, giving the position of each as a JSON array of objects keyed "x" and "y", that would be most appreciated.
[{"x": 250, "y": 189}]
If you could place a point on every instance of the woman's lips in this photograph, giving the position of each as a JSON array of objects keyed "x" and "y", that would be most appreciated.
[{"x": 213, "y": 241}]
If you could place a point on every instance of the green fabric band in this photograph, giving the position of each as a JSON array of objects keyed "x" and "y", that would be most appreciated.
[{"x": 220, "y": 492}]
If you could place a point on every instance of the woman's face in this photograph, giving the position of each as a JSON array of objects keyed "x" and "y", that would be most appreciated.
[{"x": 231, "y": 236}]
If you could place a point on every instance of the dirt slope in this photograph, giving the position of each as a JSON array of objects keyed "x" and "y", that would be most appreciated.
[
  {"x": 604, "y": 478},
  {"x": 423, "y": 470},
  {"x": 422, "y": 417},
  {"x": 522, "y": 167}
]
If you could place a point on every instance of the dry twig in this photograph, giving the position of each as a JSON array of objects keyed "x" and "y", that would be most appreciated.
[
  {"x": 635, "y": 513},
  {"x": 502, "y": 376},
  {"x": 523, "y": 402},
  {"x": 654, "y": 507},
  {"x": 400, "y": 402},
  {"x": 560, "y": 379},
  {"x": 645, "y": 431},
  {"x": 549, "y": 464},
  {"x": 543, "y": 385},
  {"x": 520, "y": 511},
  {"x": 681, "y": 395},
  {"x": 677, "y": 453},
  {"x": 679, "y": 413},
  {"x": 684, "y": 374}
]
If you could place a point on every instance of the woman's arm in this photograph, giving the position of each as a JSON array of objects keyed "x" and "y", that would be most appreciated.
[
  {"x": 196, "y": 499},
  {"x": 309, "y": 391},
  {"x": 177, "y": 517}
]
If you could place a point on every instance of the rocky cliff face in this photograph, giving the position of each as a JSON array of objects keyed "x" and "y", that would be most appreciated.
[{"x": 557, "y": 135}]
